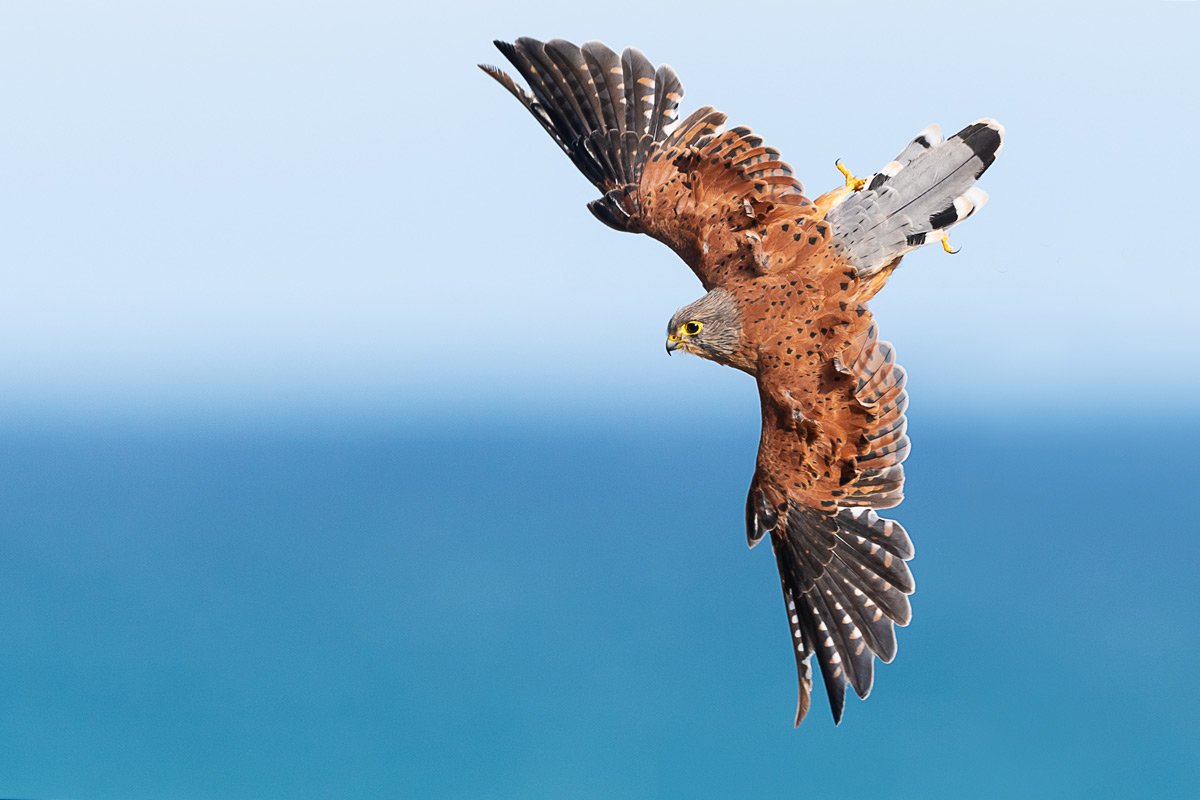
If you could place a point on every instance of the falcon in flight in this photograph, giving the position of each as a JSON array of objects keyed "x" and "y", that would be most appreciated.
[{"x": 787, "y": 281}]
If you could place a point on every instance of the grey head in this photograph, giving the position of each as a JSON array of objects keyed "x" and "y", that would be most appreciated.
[{"x": 711, "y": 328}]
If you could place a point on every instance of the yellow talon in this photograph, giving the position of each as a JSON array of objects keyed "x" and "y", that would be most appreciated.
[
  {"x": 853, "y": 183},
  {"x": 831, "y": 198},
  {"x": 946, "y": 244}
]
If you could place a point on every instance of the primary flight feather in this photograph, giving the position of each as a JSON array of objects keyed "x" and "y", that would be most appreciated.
[{"x": 787, "y": 281}]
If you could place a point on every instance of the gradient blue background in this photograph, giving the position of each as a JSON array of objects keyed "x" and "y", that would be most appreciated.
[{"x": 331, "y": 466}]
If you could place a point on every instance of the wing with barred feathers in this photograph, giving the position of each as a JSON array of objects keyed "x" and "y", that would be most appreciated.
[
  {"x": 846, "y": 585},
  {"x": 832, "y": 451},
  {"x": 692, "y": 185}
]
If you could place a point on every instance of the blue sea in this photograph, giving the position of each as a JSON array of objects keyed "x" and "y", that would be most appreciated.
[{"x": 517, "y": 609}]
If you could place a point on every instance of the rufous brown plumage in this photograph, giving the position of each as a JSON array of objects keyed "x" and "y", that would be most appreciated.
[{"x": 788, "y": 279}]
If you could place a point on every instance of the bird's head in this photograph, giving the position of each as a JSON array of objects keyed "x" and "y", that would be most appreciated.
[{"x": 711, "y": 328}]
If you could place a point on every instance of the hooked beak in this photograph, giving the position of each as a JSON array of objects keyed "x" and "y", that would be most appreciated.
[{"x": 673, "y": 343}]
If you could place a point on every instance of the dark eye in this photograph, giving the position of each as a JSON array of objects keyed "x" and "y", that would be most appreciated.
[{"x": 692, "y": 328}]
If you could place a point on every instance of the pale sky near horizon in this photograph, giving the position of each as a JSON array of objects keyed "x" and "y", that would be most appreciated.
[{"x": 319, "y": 205}]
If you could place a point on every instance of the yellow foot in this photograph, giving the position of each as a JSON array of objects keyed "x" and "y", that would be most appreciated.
[
  {"x": 946, "y": 244},
  {"x": 852, "y": 183}
]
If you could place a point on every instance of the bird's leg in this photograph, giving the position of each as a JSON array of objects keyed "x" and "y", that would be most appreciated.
[
  {"x": 946, "y": 243},
  {"x": 831, "y": 199},
  {"x": 853, "y": 183}
]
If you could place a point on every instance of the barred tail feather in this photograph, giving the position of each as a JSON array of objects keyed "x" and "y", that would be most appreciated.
[
  {"x": 926, "y": 190},
  {"x": 846, "y": 585}
]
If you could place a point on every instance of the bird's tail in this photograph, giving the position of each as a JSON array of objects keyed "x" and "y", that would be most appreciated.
[
  {"x": 605, "y": 111},
  {"x": 927, "y": 189},
  {"x": 846, "y": 586}
]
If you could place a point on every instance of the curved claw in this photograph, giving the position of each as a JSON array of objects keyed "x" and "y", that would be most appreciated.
[
  {"x": 852, "y": 182},
  {"x": 946, "y": 245}
]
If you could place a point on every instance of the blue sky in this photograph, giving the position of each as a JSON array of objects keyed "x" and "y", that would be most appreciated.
[{"x": 310, "y": 207}]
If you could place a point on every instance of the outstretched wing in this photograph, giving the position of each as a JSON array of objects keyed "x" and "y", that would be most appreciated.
[
  {"x": 690, "y": 184},
  {"x": 833, "y": 444},
  {"x": 834, "y": 432}
]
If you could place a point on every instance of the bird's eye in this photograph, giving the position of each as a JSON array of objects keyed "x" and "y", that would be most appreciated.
[{"x": 692, "y": 328}]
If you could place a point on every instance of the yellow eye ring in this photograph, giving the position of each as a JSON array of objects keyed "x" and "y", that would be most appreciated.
[{"x": 692, "y": 328}]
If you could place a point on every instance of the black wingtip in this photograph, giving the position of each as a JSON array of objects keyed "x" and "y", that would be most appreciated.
[
  {"x": 507, "y": 48},
  {"x": 837, "y": 704}
]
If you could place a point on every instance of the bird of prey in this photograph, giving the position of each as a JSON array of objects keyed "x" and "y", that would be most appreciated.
[{"x": 787, "y": 281}]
